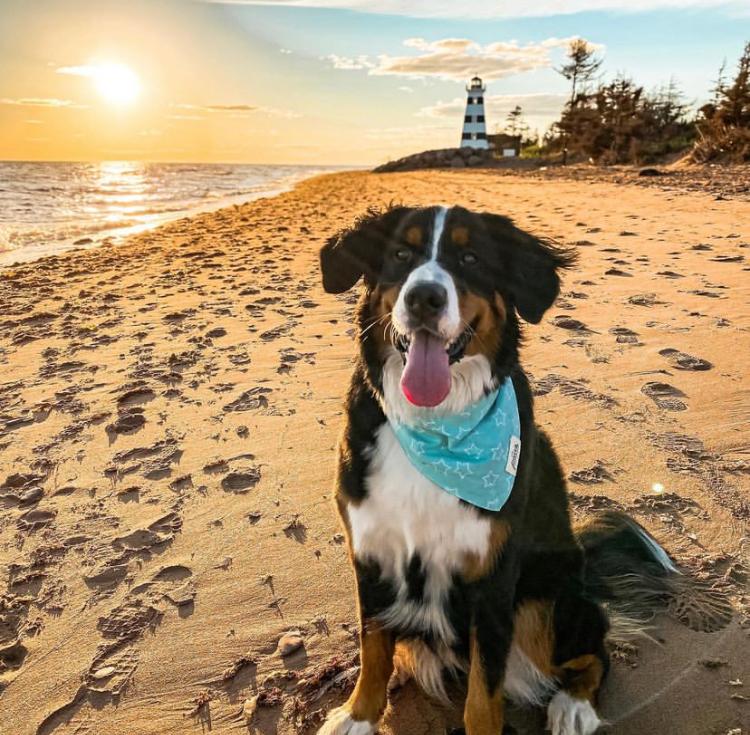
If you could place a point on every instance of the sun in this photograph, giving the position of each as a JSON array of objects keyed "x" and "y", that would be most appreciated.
[{"x": 116, "y": 83}]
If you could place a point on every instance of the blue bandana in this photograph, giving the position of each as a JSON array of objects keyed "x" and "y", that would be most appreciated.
[{"x": 473, "y": 454}]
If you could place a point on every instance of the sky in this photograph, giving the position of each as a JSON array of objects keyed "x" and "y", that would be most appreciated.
[{"x": 321, "y": 81}]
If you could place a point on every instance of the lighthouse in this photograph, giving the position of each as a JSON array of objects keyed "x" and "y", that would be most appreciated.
[{"x": 474, "y": 134}]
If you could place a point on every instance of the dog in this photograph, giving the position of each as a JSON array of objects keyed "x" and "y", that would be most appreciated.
[{"x": 496, "y": 591}]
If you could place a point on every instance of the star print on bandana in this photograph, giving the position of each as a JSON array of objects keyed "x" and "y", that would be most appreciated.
[{"x": 472, "y": 454}]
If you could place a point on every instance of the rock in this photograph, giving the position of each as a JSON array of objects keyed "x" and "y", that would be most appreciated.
[
  {"x": 183, "y": 595},
  {"x": 438, "y": 158},
  {"x": 289, "y": 643},
  {"x": 651, "y": 172},
  {"x": 103, "y": 673},
  {"x": 457, "y": 163},
  {"x": 30, "y": 495},
  {"x": 83, "y": 241}
]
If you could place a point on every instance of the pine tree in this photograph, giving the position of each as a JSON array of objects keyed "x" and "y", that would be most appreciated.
[
  {"x": 735, "y": 105},
  {"x": 724, "y": 123},
  {"x": 515, "y": 124},
  {"x": 581, "y": 67}
]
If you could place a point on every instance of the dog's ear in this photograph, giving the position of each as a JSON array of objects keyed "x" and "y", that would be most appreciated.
[
  {"x": 531, "y": 266},
  {"x": 358, "y": 250}
]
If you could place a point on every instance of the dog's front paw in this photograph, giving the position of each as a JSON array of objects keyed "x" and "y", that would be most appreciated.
[
  {"x": 568, "y": 715},
  {"x": 340, "y": 722}
]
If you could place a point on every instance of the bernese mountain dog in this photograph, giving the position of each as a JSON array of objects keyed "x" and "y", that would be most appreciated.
[{"x": 481, "y": 579}]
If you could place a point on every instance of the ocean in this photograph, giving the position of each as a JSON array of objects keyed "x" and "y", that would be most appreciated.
[{"x": 48, "y": 208}]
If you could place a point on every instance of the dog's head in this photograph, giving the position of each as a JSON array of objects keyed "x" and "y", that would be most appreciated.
[{"x": 442, "y": 284}]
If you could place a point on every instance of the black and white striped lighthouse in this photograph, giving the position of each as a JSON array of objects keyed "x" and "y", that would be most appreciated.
[{"x": 474, "y": 134}]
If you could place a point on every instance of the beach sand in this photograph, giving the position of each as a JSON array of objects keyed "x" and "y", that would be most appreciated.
[{"x": 169, "y": 410}]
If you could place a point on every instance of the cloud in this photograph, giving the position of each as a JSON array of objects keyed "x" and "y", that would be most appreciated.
[
  {"x": 79, "y": 71},
  {"x": 348, "y": 63},
  {"x": 240, "y": 110},
  {"x": 232, "y": 108},
  {"x": 459, "y": 59},
  {"x": 500, "y": 8},
  {"x": 38, "y": 102}
]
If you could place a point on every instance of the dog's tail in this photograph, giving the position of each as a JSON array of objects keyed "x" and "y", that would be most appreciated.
[{"x": 633, "y": 576}]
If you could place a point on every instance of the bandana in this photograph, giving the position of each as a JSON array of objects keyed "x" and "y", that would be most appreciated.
[{"x": 473, "y": 454}]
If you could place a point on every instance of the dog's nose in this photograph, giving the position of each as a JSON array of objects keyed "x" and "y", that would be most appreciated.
[{"x": 426, "y": 300}]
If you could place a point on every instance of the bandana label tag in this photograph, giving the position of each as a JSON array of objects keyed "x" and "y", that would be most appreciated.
[{"x": 514, "y": 452}]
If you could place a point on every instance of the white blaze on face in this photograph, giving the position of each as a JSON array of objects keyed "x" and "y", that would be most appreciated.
[{"x": 449, "y": 323}]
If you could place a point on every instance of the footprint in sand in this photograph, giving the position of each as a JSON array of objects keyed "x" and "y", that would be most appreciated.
[
  {"x": 154, "y": 462},
  {"x": 128, "y": 422},
  {"x": 665, "y": 396},
  {"x": 565, "y": 322},
  {"x": 617, "y": 272},
  {"x": 683, "y": 361},
  {"x": 728, "y": 258},
  {"x": 142, "y": 611},
  {"x": 250, "y": 400},
  {"x": 594, "y": 475},
  {"x": 625, "y": 336},
  {"x": 241, "y": 482},
  {"x": 12, "y": 656},
  {"x": 644, "y": 299},
  {"x": 135, "y": 397}
]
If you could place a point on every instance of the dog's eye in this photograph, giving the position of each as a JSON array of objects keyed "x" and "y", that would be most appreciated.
[
  {"x": 403, "y": 255},
  {"x": 468, "y": 258}
]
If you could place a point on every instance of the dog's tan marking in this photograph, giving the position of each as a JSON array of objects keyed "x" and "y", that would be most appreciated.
[
  {"x": 483, "y": 711},
  {"x": 414, "y": 235},
  {"x": 489, "y": 323},
  {"x": 533, "y": 633},
  {"x": 582, "y": 676},
  {"x": 460, "y": 236},
  {"x": 369, "y": 697},
  {"x": 382, "y": 301},
  {"x": 475, "y": 566}
]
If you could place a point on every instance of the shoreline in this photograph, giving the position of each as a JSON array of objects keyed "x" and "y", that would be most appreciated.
[
  {"x": 117, "y": 235},
  {"x": 169, "y": 409}
]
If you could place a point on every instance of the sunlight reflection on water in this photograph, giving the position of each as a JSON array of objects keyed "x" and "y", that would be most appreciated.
[{"x": 47, "y": 208}]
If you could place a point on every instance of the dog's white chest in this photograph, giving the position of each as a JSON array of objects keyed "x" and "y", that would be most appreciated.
[{"x": 403, "y": 515}]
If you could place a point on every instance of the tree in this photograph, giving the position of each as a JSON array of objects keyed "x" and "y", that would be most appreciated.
[
  {"x": 515, "y": 124},
  {"x": 619, "y": 122},
  {"x": 724, "y": 123},
  {"x": 736, "y": 97},
  {"x": 581, "y": 67}
]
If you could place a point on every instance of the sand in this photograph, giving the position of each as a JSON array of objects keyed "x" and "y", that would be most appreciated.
[{"x": 169, "y": 410}]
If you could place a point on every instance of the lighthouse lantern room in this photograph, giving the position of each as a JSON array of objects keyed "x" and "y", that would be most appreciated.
[{"x": 474, "y": 133}]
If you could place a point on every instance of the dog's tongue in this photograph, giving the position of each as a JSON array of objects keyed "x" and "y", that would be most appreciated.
[{"x": 426, "y": 379}]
